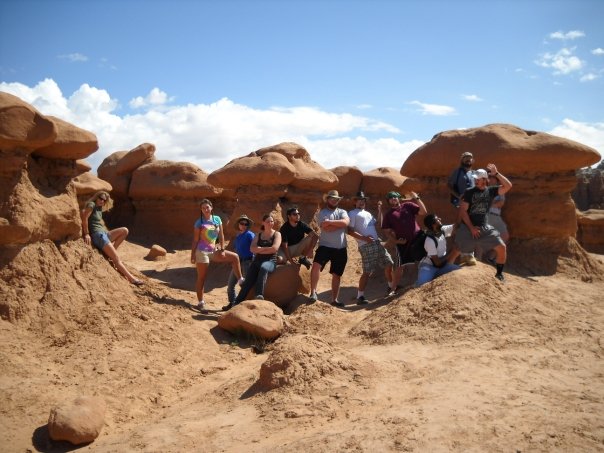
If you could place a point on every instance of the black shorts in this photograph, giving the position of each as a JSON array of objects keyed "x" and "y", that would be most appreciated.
[{"x": 338, "y": 258}]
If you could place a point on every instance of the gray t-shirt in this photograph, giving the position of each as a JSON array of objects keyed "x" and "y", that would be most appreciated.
[{"x": 334, "y": 239}]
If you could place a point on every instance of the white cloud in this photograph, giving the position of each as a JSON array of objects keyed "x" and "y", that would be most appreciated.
[
  {"x": 563, "y": 61},
  {"x": 210, "y": 135},
  {"x": 74, "y": 57},
  {"x": 589, "y": 77},
  {"x": 155, "y": 97},
  {"x": 434, "y": 109},
  {"x": 598, "y": 51},
  {"x": 590, "y": 134},
  {"x": 574, "y": 34},
  {"x": 472, "y": 98}
]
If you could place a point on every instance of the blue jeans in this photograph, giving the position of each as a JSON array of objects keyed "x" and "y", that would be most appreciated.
[
  {"x": 245, "y": 265},
  {"x": 426, "y": 273},
  {"x": 257, "y": 274}
]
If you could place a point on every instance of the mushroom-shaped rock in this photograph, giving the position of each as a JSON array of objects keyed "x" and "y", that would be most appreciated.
[
  {"x": 71, "y": 142},
  {"x": 349, "y": 180},
  {"x": 83, "y": 166},
  {"x": 142, "y": 154},
  {"x": 380, "y": 181},
  {"x": 516, "y": 151},
  {"x": 259, "y": 318},
  {"x": 268, "y": 169},
  {"x": 108, "y": 171},
  {"x": 162, "y": 179},
  {"x": 78, "y": 422},
  {"x": 22, "y": 126}
]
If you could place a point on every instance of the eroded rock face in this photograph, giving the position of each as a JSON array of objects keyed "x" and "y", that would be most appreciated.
[
  {"x": 259, "y": 318},
  {"x": 540, "y": 166},
  {"x": 591, "y": 230},
  {"x": 589, "y": 193},
  {"x": 38, "y": 162}
]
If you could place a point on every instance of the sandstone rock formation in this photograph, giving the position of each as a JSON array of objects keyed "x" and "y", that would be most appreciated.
[
  {"x": 540, "y": 166},
  {"x": 38, "y": 155},
  {"x": 78, "y": 422},
  {"x": 591, "y": 230},
  {"x": 272, "y": 179},
  {"x": 258, "y": 318},
  {"x": 589, "y": 193},
  {"x": 156, "y": 253}
]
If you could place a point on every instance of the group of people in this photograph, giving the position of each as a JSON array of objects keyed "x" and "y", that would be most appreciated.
[{"x": 477, "y": 195}]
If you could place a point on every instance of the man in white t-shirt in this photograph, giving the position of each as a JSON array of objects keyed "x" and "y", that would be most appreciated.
[
  {"x": 373, "y": 254},
  {"x": 437, "y": 261}
]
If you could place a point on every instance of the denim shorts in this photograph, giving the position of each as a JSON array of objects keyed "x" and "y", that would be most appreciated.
[{"x": 100, "y": 239}]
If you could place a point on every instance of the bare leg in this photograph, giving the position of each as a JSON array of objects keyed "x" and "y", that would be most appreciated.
[
  {"x": 388, "y": 274},
  {"x": 109, "y": 250},
  {"x": 397, "y": 274},
  {"x": 118, "y": 236},
  {"x": 501, "y": 251},
  {"x": 335, "y": 286},
  {"x": 229, "y": 257},
  {"x": 315, "y": 272},
  {"x": 363, "y": 281},
  {"x": 308, "y": 251},
  {"x": 202, "y": 270}
]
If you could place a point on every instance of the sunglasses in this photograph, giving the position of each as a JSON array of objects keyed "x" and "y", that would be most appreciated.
[
  {"x": 295, "y": 213},
  {"x": 244, "y": 223},
  {"x": 102, "y": 198}
]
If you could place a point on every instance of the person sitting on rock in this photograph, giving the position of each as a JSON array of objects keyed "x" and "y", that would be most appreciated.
[
  {"x": 297, "y": 239},
  {"x": 107, "y": 241},
  {"x": 264, "y": 247},
  {"x": 495, "y": 219},
  {"x": 243, "y": 242},
  {"x": 437, "y": 261}
]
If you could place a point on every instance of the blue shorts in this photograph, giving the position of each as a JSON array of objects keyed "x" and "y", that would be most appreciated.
[{"x": 100, "y": 239}]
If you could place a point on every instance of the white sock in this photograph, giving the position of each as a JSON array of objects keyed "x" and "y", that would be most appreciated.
[{"x": 360, "y": 293}]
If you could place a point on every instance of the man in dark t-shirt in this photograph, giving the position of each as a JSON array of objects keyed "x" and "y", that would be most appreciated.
[
  {"x": 474, "y": 210},
  {"x": 297, "y": 239}
]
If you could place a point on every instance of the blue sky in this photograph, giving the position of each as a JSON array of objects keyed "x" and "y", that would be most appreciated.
[{"x": 356, "y": 82}]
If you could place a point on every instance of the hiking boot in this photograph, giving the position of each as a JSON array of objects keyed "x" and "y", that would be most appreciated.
[
  {"x": 362, "y": 301},
  {"x": 313, "y": 296},
  {"x": 500, "y": 277},
  {"x": 305, "y": 262},
  {"x": 259, "y": 297},
  {"x": 337, "y": 303},
  {"x": 467, "y": 260}
]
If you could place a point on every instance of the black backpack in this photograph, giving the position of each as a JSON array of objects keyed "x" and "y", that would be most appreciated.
[{"x": 416, "y": 250}]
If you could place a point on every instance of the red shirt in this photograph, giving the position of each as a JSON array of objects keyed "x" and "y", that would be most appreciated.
[{"x": 402, "y": 220}]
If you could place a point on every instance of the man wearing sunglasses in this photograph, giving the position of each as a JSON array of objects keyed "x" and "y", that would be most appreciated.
[{"x": 297, "y": 239}]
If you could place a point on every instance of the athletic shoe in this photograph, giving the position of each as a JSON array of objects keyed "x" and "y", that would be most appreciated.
[
  {"x": 313, "y": 296},
  {"x": 240, "y": 281},
  {"x": 337, "y": 303},
  {"x": 500, "y": 277},
  {"x": 259, "y": 297},
  {"x": 390, "y": 291},
  {"x": 305, "y": 262},
  {"x": 201, "y": 305},
  {"x": 362, "y": 301},
  {"x": 467, "y": 260}
]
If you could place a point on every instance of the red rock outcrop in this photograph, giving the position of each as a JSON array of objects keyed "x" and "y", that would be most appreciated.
[
  {"x": 589, "y": 193},
  {"x": 591, "y": 230},
  {"x": 540, "y": 166},
  {"x": 272, "y": 179},
  {"x": 37, "y": 194}
]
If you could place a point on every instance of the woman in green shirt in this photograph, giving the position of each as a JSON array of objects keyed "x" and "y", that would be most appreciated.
[{"x": 95, "y": 232}]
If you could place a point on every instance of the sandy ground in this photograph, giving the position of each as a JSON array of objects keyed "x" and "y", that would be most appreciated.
[{"x": 462, "y": 364}]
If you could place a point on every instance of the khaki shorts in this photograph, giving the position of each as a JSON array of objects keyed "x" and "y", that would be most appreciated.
[
  {"x": 202, "y": 257},
  {"x": 297, "y": 249}
]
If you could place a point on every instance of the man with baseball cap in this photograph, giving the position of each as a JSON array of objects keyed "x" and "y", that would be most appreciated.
[
  {"x": 373, "y": 253},
  {"x": 401, "y": 227},
  {"x": 333, "y": 222},
  {"x": 474, "y": 208}
]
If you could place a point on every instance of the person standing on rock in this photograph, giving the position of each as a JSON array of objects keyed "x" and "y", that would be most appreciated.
[
  {"x": 297, "y": 239},
  {"x": 243, "y": 242},
  {"x": 475, "y": 229},
  {"x": 333, "y": 222},
  {"x": 401, "y": 227},
  {"x": 459, "y": 181},
  {"x": 206, "y": 232},
  {"x": 373, "y": 253},
  {"x": 107, "y": 241},
  {"x": 264, "y": 247}
]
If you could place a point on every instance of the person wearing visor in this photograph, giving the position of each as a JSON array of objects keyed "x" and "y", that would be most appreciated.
[{"x": 475, "y": 229}]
